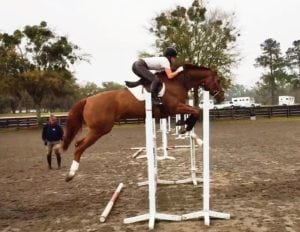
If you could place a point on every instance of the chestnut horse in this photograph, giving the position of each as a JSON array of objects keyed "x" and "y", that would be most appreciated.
[{"x": 101, "y": 111}]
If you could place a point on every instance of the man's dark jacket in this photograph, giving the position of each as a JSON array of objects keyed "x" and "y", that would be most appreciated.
[{"x": 52, "y": 132}]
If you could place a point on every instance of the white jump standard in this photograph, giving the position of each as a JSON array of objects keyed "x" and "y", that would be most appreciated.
[
  {"x": 164, "y": 141},
  {"x": 206, "y": 213},
  {"x": 152, "y": 215}
]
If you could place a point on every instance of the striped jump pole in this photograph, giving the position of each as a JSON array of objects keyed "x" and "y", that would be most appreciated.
[
  {"x": 206, "y": 213},
  {"x": 111, "y": 203}
]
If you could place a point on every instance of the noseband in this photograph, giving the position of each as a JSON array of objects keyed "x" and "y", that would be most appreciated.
[{"x": 216, "y": 93}]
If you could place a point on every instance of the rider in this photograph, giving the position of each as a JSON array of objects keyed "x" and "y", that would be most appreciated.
[{"x": 143, "y": 66}]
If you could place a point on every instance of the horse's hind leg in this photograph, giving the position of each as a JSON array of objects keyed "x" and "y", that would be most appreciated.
[
  {"x": 91, "y": 137},
  {"x": 77, "y": 144}
]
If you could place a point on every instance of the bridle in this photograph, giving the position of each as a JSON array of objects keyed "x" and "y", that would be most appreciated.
[
  {"x": 217, "y": 92},
  {"x": 214, "y": 93}
]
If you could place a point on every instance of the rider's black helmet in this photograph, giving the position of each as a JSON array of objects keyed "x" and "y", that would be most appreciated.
[{"x": 170, "y": 52}]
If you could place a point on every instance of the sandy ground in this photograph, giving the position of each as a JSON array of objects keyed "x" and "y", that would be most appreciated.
[{"x": 255, "y": 177}]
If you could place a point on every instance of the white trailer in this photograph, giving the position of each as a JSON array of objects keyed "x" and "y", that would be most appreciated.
[
  {"x": 286, "y": 100},
  {"x": 224, "y": 105},
  {"x": 243, "y": 102}
]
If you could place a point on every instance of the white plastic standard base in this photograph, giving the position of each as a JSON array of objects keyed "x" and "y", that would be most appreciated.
[
  {"x": 156, "y": 216},
  {"x": 193, "y": 180},
  {"x": 165, "y": 157},
  {"x": 206, "y": 215}
]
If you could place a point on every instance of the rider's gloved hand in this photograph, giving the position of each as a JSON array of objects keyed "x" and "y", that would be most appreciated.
[{"x": 180, "y": 69}]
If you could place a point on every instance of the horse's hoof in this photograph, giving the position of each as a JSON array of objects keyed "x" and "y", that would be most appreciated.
[
  {"x": 69, "y": 177},
  {"x": 182, "y": 131}
]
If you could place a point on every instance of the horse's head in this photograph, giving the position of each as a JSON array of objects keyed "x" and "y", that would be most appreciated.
[{"x": 206, "y": 78}]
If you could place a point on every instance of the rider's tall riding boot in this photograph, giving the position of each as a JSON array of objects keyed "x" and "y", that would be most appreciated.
[
  {"x": 58, "y": 158},
  {"x": 49, "y": 160},
  {"x": 132, "y": 84},
  {"x": 156, "y": 100}
]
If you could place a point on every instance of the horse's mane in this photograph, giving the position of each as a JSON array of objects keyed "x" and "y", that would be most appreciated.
[
  {"x": 181, "y": 78},
  {"x": 189, "y": 66}
]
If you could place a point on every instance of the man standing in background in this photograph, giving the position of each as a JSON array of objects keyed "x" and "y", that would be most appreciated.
[{"x": 52, "y": 135}]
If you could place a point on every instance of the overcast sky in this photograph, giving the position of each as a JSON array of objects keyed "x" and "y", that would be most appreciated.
[{"x": 113, "y": 32}]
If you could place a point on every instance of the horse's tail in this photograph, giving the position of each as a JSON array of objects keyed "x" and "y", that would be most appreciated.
[{"x": 74, "y": 123}]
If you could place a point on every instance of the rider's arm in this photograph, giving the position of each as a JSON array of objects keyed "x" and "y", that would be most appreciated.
[{"x": 171, "y": 74}]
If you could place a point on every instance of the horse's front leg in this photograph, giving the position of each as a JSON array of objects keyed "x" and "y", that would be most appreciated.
[{"x": 193, "y": 116}]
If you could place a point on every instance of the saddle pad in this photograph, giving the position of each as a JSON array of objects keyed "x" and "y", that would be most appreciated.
[{"x": 139, "y": 92}]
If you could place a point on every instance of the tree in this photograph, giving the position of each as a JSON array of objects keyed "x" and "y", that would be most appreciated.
[
  {"x": 262, "y": 93},
  {"x": 4, "y": 104},
  {"x": 200, "y": 38},
  {"x": 41, "y": 84},
  {"x": 110, "y": 85},
  {"x": 44, "y": 59},
  {"x": 11, "y": 65},
  {"x": 237, "y": 91},
  {"x": 273, "y": 61},
  {"x": 88, "y": 89},
  {"x": 293, "y": 60}
]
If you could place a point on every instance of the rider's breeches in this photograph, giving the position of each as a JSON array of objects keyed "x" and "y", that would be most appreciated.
[{"x": 140, "y": 69}]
